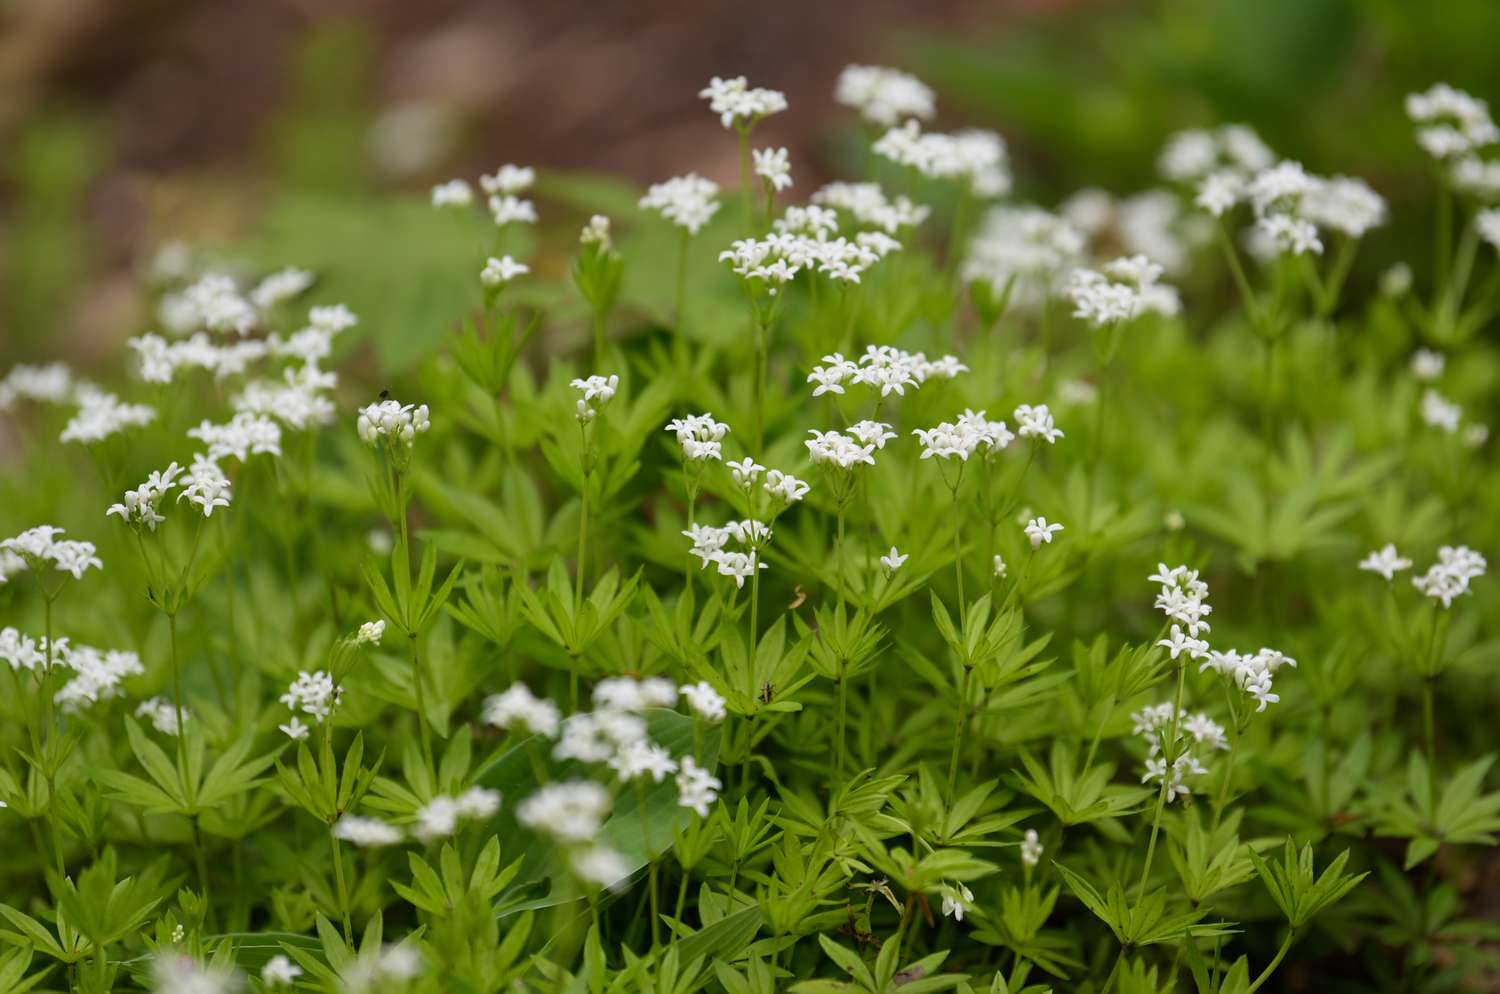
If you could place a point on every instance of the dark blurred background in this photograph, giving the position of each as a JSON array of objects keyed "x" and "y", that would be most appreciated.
[{"x": 271, "y": 125}]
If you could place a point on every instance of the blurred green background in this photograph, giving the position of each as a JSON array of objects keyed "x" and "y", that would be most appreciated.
[{"x": 307, "y": 133}]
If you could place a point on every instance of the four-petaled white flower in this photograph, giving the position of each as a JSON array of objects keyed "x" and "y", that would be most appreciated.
[
  {"x": 893, "y": 560},
  {"x": 1038, "y": 531},
  {"x": 1385, "y": 561}
]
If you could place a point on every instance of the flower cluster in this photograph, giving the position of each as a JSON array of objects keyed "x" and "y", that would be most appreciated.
[
  {"x": 38, "y": 547},
  {"x": 868, "y": 204},
  {"x": 1183, "y": 598},
  {"x": 738, "y": 104},
  {"x": 440, "y": 817},
  {"x": 800, "y": 242},
  {"x": 244, "y": 435},
  {"x": 700, "y": 436},
  {"x": 23, "y": 652},
  {"x": 162, "y": 715},
  {"x": 101, "y": 414},
  {"x": 1231, "y": 149},
  {"x": 884, "y": 96},
  {"x": 99, "y": 674},
  {"x": 687, "y": 201},
  {"x": 1151, "y": 723},
  {"x": 518, "y": 709},
  {"x": 1036, "y": 421},
  {"x": 884, "y": 368},
  {"x": 1125, "y": 289},
  {"x": 597, "y": 392},
  {"x": 1024, "y": 248},
  {"x": 710, "y": 546},
  {"x": 1452, "y": 125},
  {"x": 1448, "y": 578},
  {"x": 975, "y": 157},
  {"x": 1251, "y": 672},
  {"x": 313, "y": 694},
  {"x": 392, "y": 423}
]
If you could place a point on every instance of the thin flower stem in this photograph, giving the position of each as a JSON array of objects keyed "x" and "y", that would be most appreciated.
[
  {"x": 682, "y": 887},
  {"x": 176, "y": 678},
  {"x": 1265, "y": 974},
  {"x": 746, "y": 191},
  {"x": 1429, "y": 728},
  {"x": 1161, "y": 798},
  {"x": 680, "y": 339},
  {"x": 958, "y": 732},
  {"x": 416, "y": 679},
  {"x": 343, "y": 890},
  {"x": 838, "y": 730}
]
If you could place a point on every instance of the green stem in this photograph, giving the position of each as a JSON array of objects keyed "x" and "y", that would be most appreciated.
[
  {"x": 838, "y": 732},
  {"x": 1275, "y": 962},
  {"x": 681, "y": 314},
  {"x": 421, "y": 695},
  {"x": 958, "y": 731},
  {"x": 343, "y": 890}
]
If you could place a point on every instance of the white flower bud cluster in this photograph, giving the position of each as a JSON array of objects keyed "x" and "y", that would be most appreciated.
[
  {"x": 367, "y": 833},
  {"x": 391, "y": 422},
  {"x": 687, "y": 201},
  {"x": 738, "y": 104},
  {"x": 1031, "y": 849},
  {"x": 975, "y": 157},
  {"x": 884, "y": 96},
  {"x": 705, "y": 701},
  {"x": 39, "y": 546},
  {"x": 700, "y": 436},
  {"x": 838, "y": 450},
  {"x": 597, "y": 392},
  {"x": 1183, "y": 598},
  {"x": 1036, "y": 421},
  {"x": 1125, "y": 289}
]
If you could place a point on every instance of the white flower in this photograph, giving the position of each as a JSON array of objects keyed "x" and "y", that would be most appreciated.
[
  {"x": 244, "y": 435},
  {"x": 369, "y": 833},
  {"x": 696, "y": 787},
  {"x": 99, "y": 673},
  {"x": 785, "y": 487},
  {"x": 977, "y": 158},
  {"x": 1039, "y": 531},
  {"x": 295, "y": 730},
  {"x": 772, "y": 166},
  {"x": 1181, "y": 642},
  {"x": 454, "y": 193},
  {"x": 1025, "y": 249},
  {"x": 837, "y": 449},
  {"x": 508, "y": 179},
  {"x": 700, "y": 436},
  {"x": 178, "y": 974},
  {"x": 370, "y": 633},
  {"x": 162, "y": 715},
  {"x": 705, "y": 701},
  {"x": 1125, "y": 289},
  {"x": 868, "y": 204},
  {"x": 884, "y": 96},
  {"x": 1191, "y": 155},
  {"x": 279, "y": 287},
  {"x": 687, "y": 201},
  {"x": 600, "y": 866},
  {"x": 391, "y": 422},
  {"x": 1439, "y": 412},
  {"x": 1220, "y": 191},
  {"x": 745, "y": 472},
  {"x": 1452, "y": 123},
  {"x": 314, "y": 694},
  {"x": 101, "y": 415},
  {"x": 999, "y": 567},
  {"x": 1487, "y": 223},
  {"x": 509, "y": 210},
  {"x": 1031, "y": 848},
  {"x": 571, "y": 811},
  {"x": 1345, "y": 205},
  {"x": 1426, "y": 365},
  {"x": 957, "y": 900},
  {"x": 40, "y": 545},
  {"x": 279, "y": 971},
  {"x": 893, "y": 560},
  {"x": 52, "y": 384},
  {"x": 597, "y": 392},
  {"x": 1385, "y": 561},
  {"x": 1037, "y": 422},
  {"x": 1448, "y": 578},
  {"x": 642, "y": 758},
  {"x": 596, "y": 232},
  {"x": 948, "y": 440},
  {"x": 502, "y": 270},
  {"x": 518, "y": 708},
  {"x": 738, "y": 105}
]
